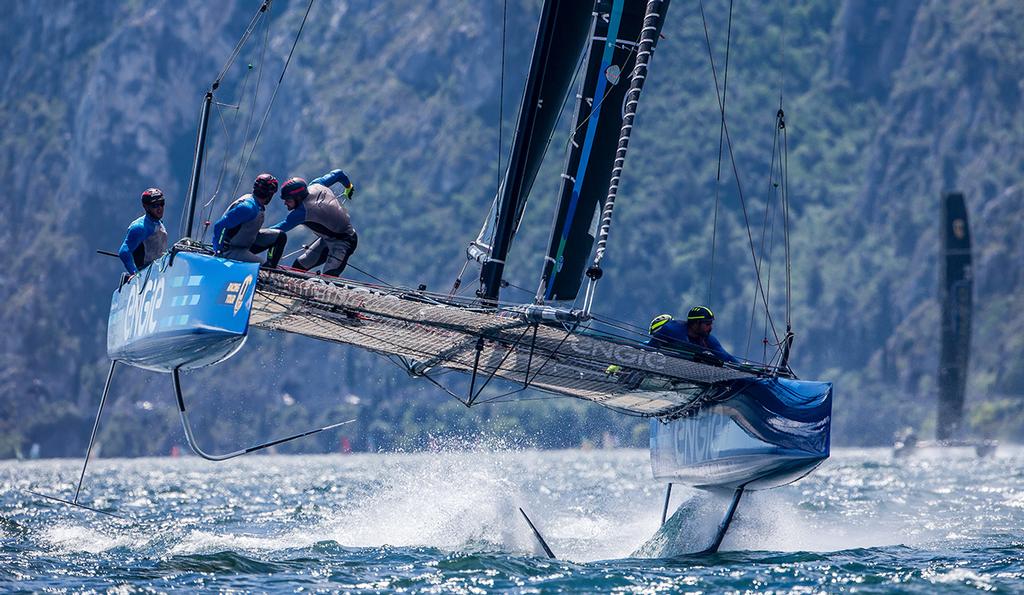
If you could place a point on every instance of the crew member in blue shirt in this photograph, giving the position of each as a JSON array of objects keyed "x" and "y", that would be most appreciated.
[
  {"x": 696, "y": 332},
  {"x": 239, "y": 233},
  {"x": 317, "y": 207},
  {"x": 146, "y": 239}
]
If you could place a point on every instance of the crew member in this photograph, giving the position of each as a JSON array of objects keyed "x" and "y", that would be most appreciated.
[
  {"x": 146, "y": 239},
  {"x": 239, "y": 233},
  {"x": 673, "y": 334},
  {"x": 318, "y": 208}
]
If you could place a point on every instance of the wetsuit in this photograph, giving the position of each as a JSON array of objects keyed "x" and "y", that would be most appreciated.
[
  {"x": 145, "y": 241},
  {"x": 238, "y": 234},
  {"x": 673, "y": 335},
  {"x": 324, "y": 215}
]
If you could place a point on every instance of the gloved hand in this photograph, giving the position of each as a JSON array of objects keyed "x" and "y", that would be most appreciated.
[
  {"x": 612, "y": 369},
  {"x": 349, "y": 192}
]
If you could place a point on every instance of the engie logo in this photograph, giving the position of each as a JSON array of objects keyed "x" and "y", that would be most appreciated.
[
  {"x": 140, "y": 313},
  {"x": 236, "y": 293}
]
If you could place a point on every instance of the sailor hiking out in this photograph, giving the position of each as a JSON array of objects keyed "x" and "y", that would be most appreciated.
[
  {"x": 146, "y": 239},
  {"x": 317, "y": 207},
  {"x": 667, "y": 332},
  {"x": 239, "y": 233}
]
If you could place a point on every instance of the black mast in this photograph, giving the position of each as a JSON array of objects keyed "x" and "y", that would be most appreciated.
[
  {"x": 197, "y": 160},
  {"x": 563, "y": 29}
]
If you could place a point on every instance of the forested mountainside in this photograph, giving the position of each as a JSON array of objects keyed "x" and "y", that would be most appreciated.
[{"x": 887, "y": 104}]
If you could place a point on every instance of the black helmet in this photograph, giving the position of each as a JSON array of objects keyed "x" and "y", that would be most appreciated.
[
  {"x": 659, "y": 321},
  {"x": 294, "y": 189},
  {"x": 700, "y": 313},
  {"x": 265, "y": 186},
  {"x": 152, "y": 197}
]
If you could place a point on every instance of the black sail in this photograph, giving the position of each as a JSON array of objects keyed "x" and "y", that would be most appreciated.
[
  {"x": 596, "y": 130},
  {"x": 956, "y": 299},
  {"x": 562, "y": 33}
]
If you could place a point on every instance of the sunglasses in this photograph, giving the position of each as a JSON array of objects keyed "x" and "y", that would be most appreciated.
[{"x": 157, "y": 204}]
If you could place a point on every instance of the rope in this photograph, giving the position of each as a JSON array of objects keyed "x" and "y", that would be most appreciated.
[
  {"x": 241, "y": 42},
  {"x": 206, "y": 211},
  {"x": 501, "y": 91},
  {"x": 252, "y": 110},
  {"x": 250, "y": 28},
  {"x": 773, "y": 192},
  {"x": 739, "y": 184},
  {"x": 785, "y": 217},
  {"x": 721, "y": 138},
  {"x": 375, "y": 278},
  {"x": 273, "y": 97}
]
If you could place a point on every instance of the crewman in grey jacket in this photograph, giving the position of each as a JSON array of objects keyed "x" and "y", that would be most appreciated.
[
  {"x": 317, "y": 207},
  {"x": 239, "y": 233}
]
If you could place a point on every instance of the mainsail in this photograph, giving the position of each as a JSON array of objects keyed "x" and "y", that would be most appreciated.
[
  {"x": 599, "y": 113},
  {"x": 560, "y": 37},
  {"x": 955, "y": 296}
]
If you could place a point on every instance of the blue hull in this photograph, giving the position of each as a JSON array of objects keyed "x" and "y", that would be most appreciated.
[
  {"x": 184, "y": 311},
  {"x": 761, "y": 434}
]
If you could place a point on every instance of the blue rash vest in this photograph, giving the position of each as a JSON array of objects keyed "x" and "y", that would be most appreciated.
[
  {"x": 145, "y": 241},
  {"x": 297, "y": 216},
  {"x": 673, "y": 335},
  {"x": 228, "y": 229}
]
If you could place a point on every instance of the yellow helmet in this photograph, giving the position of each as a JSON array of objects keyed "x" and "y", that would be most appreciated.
[
  {"x": 700, "y": 313},
  {"x": 659, "y": 321}
]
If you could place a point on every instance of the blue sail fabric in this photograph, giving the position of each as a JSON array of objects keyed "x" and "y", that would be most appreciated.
[{"x": 595, "y": 139}]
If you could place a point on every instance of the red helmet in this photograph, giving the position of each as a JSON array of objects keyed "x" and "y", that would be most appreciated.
[
  {"x": 294, "y": 189},
  {"x": 152, "y": 197},
  {"x": 265, "y": 186}
]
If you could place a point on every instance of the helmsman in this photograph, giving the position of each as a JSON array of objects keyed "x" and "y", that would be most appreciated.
[{"x": 146, "y": 239}]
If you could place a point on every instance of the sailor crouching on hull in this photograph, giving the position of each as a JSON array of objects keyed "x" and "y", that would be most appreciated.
[
  {"x": 146, "y": 239},
  {"x": 239, "y": 233},
  {"x": 696, "y": 333},
  {"x": 318, "y": 208}
]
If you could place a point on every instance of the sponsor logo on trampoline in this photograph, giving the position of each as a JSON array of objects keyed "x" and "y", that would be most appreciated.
[{"x": 620, "y": 354}]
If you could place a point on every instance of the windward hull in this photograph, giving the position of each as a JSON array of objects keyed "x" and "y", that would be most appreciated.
[
  {"x": 762, "y": 433},
  {"x": 184, "y": 311}
]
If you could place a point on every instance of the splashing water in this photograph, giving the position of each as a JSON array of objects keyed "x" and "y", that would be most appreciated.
[{"x": 448, "y": 520}]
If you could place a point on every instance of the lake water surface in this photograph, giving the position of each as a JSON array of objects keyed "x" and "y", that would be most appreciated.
[{"x": 447, "y": 522}]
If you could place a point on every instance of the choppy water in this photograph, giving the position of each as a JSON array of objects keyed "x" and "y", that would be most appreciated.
[{"x": 447, "y": 522}]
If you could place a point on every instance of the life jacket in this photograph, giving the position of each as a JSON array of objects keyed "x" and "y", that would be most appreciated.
[
  {"x": 325, "y": 216},
  {"x": 243, "y": 235},
  {"x": 153, "y": 246}
]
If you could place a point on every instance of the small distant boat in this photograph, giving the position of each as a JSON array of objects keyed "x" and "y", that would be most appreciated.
[{"x": 956, "y": 289}]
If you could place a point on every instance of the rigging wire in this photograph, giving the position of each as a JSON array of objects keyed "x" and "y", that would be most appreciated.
[
  {"x": 721, "y": 138},
  {"x": 241, "y": 42},
  {"x": 206, "y": 211},
  {"x": 252, "y": 109},
  {"x": 736, "y": 176},
  {"x": 501, "y": 93},
  {"x": 273, "y": 97},
  {"x": 249, "y": 29},
  {"x": 773, "y": 192},
  {"x": 785, "y": 220}
]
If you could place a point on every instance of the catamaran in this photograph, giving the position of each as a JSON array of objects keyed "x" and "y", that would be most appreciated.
[
  {"x": 956, "y": 290},
  {"x": 715, "y": 425}
]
